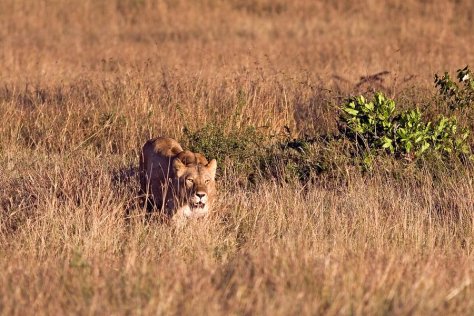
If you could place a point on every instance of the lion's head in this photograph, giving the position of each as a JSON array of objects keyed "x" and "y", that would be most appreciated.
[{"x": 195, "y": 183}]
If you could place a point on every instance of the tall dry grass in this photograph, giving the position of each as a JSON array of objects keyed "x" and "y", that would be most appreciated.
[{"x": 84, "y": 83}]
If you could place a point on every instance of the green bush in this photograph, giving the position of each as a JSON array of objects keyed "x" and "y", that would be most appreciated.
[
  {"x": 369, "y": 123},
  {"x": 375, "y": 126},
  {"x": 457, "y": 95},
  {"x": 447, "y": 137}
]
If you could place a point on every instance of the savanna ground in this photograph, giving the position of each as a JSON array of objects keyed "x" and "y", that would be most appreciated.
[{"x": 83, "y": 84}]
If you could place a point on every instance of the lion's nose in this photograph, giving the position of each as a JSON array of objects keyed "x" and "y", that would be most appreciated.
[{"x": 200, "y": 194}]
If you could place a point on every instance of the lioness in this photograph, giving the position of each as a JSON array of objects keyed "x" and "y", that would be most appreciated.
[{"x": 180, "y": 182}]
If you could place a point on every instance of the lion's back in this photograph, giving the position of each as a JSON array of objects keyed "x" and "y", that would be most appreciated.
[{"x": 162, "y": 147}]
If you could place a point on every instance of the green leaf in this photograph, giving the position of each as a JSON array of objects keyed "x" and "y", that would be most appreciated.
[
  {"x": 424, "y": 147},
  {"x": 408, "y": 146},
  {"x": 351, "y": 111}
]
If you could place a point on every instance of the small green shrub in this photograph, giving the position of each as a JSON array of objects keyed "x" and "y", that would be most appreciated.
[
  {"x": 376, "y": 125},
  {"x": 412, "y": 134},
  {"x": 448, "y": 137},
  {"x": 457, "y": 95},
  {"x": 369, "y": 122}
]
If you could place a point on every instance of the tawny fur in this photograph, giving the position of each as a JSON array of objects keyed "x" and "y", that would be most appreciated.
[{"x": 179, "y": 181}]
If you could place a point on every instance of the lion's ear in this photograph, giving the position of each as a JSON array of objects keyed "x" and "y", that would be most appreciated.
[
  {"x": 179, "y": 167},
  {"x": 212, "y": 166}
]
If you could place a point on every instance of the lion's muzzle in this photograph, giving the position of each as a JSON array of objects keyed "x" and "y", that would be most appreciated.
[{"x": 198, "y": 200}]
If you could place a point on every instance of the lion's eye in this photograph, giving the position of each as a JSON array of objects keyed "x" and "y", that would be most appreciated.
[
  {"x": 207, "y": 181},
  {"x": 189, "y": 181}
]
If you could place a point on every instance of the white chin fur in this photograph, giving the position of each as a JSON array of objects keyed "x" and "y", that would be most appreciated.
[{"x": 193, "y": 212}]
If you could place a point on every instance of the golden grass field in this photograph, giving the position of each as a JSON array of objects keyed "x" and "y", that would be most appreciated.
[{"x": 83, "y": 84}]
